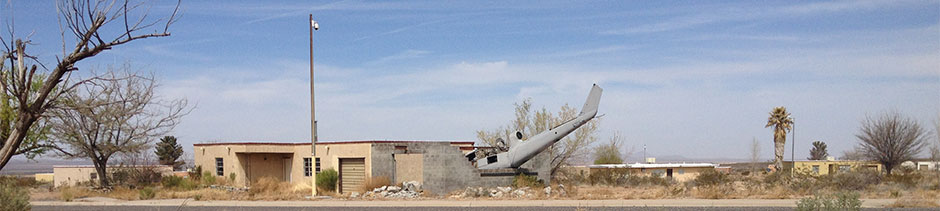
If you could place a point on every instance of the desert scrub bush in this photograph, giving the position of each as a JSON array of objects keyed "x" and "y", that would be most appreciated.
[
  {"x": 710, "y": 177},
  {"x": 326, "y": 180},
  {"x": 208, "y": 178},
  {"x": 13, "y": 197},
  {"x": 606, "y": 176},
  {"x": 147, "y": 193},
  {"x": 267, "y": 185},
  {"x": 638, "y": 180},
  {"x": 523, "y": 180},
  {"x": 855, "y": 180},
  {"x": 371, "y": 183},
  {"x": 231, "y": 177},
  {"x": 837, "y": 201},
  {"x": 179, "y": 183}
]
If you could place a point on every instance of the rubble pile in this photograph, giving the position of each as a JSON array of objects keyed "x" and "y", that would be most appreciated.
[
  {"x": 410, "y": 189},
  {"x": 509, "y": 192}
]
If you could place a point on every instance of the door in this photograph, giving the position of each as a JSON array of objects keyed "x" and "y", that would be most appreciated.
[
  {"x": 668, "y": 172},
  {"x": 352, "y": 173}
]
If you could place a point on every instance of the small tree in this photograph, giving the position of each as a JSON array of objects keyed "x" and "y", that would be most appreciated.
[
  {"x": 755, "y": 154},
  {"x": 169, "y": 152},
  {"x": 117, "y": 114},
  {"x": 609, "y": 153},
  {"x": 819, "y": 151},
  {"x": 891, "y": 139}
]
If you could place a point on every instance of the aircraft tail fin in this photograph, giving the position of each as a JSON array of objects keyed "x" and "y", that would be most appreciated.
[{"x": 593, "y": 100}]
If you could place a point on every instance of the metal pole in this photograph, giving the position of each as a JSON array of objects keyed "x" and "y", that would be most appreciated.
[{"x": 313, "y": 119}]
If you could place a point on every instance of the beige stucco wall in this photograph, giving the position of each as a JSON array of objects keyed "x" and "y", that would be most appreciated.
[
  {"x": 247, "y": 160},
  {"x": 824, "y": 166},
  {"x": 679, "y": 174},
  {"x": 409, "y": 167},
  {"x": 72, "y": 175}
]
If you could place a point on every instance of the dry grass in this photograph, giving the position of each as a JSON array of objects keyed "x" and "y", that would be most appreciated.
[
  {"x": 372, "y": 183},
  {"x": 915, "y": 202}
]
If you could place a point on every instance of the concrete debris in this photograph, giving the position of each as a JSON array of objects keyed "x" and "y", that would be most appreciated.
[
  {"x": 411, "y": 189},
  {"x": 497, "y": 192},
  {"x": 548, "y": 191},
  {"x": 354, "y": 194}
]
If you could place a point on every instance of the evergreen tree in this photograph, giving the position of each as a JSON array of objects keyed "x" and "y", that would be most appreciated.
[
  {"x": 819, "y": 151},
  {"x": 169, "y": 152}
]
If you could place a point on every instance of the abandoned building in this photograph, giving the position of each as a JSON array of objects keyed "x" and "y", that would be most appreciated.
[
  {"x": 70, "y": 175},
  {"x": 678, "y": 171},
  {"x": 831, "y": 166},
  {"x": 440, "y": 166}
]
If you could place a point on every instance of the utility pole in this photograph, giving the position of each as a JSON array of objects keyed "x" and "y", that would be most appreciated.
[{"x": 313, "y": 119}]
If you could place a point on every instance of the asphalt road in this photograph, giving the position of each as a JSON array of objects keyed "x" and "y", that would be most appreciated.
[{"x": 233, "y": 208}]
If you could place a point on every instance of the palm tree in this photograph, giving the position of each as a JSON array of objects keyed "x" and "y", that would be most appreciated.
[{"x": 783, "y": 123}]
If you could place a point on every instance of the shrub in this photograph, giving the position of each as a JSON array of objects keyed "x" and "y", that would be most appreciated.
[
  {"x": 147, "y": 193},
  {"x": 178, "y": 183},
  {"x": 13, "y": 197},
  {"x": 838, "y": 201},
  {"x": 231, "y": 177},
  {"x": 196, "y": 173},
  {"x": 208, "y": 178},
  {"x": 267, "y": 185},
  {"x": 523, "y": 180},
  {"x": 326, "y": 180},
  {"x": 855, "y": 180},
  {"x": 372, "y": 183},
  {"x": 711, "y": 177}
]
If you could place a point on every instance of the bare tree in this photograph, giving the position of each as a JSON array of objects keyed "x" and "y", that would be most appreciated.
[
  {"x": 755, "y": 154},
  {"x": 853, "y": 154},
  {"x": 94, "y": 27},
  {"x": 117, "y": 114},
  {"x": 575, "y": 146},
  {"x": 818, "y": 152},
  {"x": 891, "y": 139},
  {"x": 610, "y": 152}
]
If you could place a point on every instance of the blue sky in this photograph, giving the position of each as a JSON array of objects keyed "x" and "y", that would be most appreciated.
[{"x": 688, "y": 78}]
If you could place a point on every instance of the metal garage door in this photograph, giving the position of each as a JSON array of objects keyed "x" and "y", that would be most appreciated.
[{"x": 352, "y": 173}]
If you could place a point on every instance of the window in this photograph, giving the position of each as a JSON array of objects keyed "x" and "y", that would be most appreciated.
[
  {"x": 816, "y": 169},
  {"x": 218, "y": 167},
  {"x": 307, "y": 167},
  {"x": 318, "y": 165},
  {"x": 844, "y": 168}
]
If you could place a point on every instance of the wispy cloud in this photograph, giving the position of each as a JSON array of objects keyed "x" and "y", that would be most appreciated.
[
  {"x": 401, "y": 29},
  {"x": 406, "y": 54}
]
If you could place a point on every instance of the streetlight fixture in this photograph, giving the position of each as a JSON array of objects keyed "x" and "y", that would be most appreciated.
[{"x": 313, "y": 120}]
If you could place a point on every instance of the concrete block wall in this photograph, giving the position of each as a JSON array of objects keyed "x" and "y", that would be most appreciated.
[{"x": 447, "y": 170}]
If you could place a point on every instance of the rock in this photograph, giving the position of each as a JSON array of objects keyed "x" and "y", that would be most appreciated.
[
  {"x": 354, "y": 194},
  {"x": 367, "y": 194},
  {"x": 497, "y": 195},
  {"x": 548, "y": 191},
  {"x": 504, "y": 189},
  {"x": 411, "y": 186},
  {"x": 393, "y": 189},
  {"x": 379, "y": 189},
  {"x": 518, "y": 193}
]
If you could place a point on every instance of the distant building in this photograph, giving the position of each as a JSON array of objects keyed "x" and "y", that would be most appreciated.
[
  {"x": 77, "y": 174},
  {"x": 44, "y": 177},
  {"x": 678, "y": 171},
  {"x": 826, "y": 167},
  {"x": 922, "y": 165}
]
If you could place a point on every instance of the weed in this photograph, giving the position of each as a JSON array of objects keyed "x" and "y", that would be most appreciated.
[
  {"x": 523, "y": 180},
  {"x": 13, "y": 197},
  {"x": 326, "y": 180},
  {"x": 372, "y": 183},
  {"x": 147, "y": 193},
  {"x": 838, "y": 201}
]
